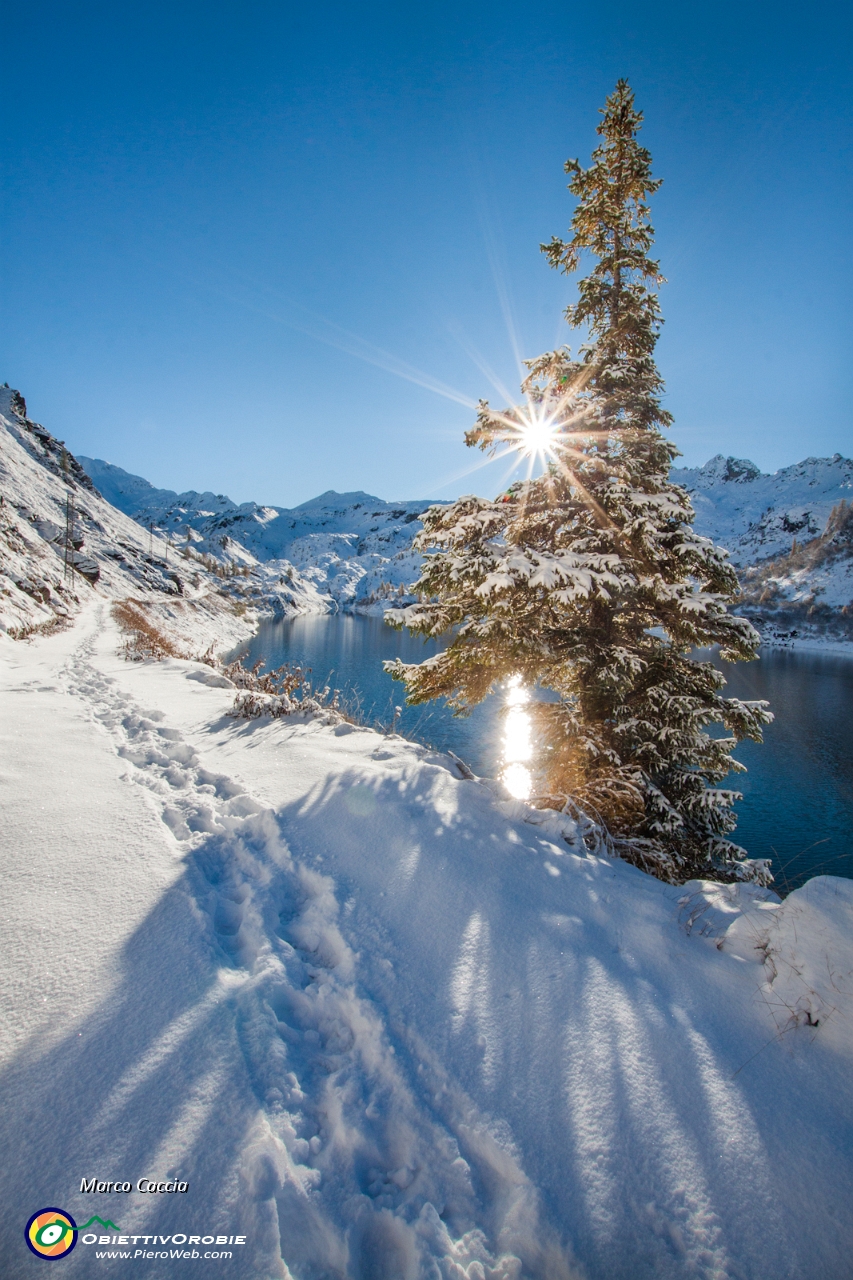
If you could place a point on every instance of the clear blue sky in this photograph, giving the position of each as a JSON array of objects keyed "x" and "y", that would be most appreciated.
[{"x": 229, "y": 228}]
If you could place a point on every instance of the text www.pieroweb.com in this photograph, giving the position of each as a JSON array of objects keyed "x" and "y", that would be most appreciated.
[{"x": 174, "y": 1246}]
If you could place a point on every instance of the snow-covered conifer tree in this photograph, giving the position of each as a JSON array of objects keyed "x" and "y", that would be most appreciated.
[{"x": 589, "y": 580}]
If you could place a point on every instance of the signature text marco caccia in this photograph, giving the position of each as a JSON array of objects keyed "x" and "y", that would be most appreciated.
[{"x": 144, "y": 1184}]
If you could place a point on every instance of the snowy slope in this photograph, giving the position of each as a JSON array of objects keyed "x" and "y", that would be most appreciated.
[
  {"x": 385, "y": 1024},
  {"x": 789, "y": 534},
  {"x": 109, "y": 551},
  {"x": 815, "y": 577},
  {"x": 112, "y": 555},
  {"x": 354, "y": 548},
  {"x": 757, "y": 516}
]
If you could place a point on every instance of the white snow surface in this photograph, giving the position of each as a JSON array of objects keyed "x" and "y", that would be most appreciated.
[{"x": 386, "y": 1024}]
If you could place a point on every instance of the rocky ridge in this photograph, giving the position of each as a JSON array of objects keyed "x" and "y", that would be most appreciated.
[
  {"x": 61, "y": 541},
  {"x": 790, "y": 534}
]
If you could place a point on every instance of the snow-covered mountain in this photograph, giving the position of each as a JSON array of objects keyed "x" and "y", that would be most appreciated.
[
  {"x": 52, "y": 519},
  {"x": 353, "y": 548},
  {"x": 790, "y": 534},
  {"x": 758, "y": 516},
  {"x": 815, "y": 579}
]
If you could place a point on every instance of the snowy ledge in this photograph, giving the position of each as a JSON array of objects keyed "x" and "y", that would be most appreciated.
[{"x": 809, "y": 644}]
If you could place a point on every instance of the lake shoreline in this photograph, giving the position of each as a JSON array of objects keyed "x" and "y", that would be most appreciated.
[
  {"x": 797, "y": 806},
  {"x": 769, "y": 640},
  {"x": 808, "y": 644}
]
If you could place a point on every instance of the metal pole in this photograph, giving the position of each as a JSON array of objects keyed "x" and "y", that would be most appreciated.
[{"x": 69, "y": 535}]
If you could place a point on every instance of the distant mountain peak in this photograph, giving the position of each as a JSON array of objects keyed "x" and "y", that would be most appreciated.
[
  {"x": 756, "y": 515},
  {"x": 332, "y": 497},
  {"x": 130, "y": 493},
  {"x": 721, "y": 470}
]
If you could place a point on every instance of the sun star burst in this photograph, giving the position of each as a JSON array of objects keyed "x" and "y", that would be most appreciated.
[{"x": 537, "y": 436}]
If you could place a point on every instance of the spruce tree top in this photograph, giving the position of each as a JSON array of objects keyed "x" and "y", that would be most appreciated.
[{"x": 616, "y": 305}]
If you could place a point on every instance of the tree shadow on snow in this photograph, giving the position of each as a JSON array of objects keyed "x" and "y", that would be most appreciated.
[
  {"x": 552, "y": 1001},
  {"x": 151, "y": 1084}
]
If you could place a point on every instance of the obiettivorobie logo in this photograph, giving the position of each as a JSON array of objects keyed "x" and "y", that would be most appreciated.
[{"x": 52, "y": 1233}]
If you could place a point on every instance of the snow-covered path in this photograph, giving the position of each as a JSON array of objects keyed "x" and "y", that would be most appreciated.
[
  {"x": 383, "y": 1025},
  {"x": 117, "y": 1044}
]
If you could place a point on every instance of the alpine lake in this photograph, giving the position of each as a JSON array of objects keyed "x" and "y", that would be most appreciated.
[{"x": 797, "y": 807}]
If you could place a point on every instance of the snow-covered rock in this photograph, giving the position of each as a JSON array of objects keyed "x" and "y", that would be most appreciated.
[{"x": 62, "y": 542}]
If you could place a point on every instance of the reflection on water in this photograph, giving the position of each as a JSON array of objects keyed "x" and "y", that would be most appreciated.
[
  {"x": 347, "y": 652},
  {"x": 517, "y": 741},
  {"x": 797, "y": 808}
]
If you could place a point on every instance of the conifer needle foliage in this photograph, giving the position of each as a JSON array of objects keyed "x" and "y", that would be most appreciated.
[{"x": 589, "y": 580}]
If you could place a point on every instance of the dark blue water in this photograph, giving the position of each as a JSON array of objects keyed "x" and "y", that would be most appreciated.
[
  {"x": 797, "y": 808},
  {"x": 347, "y": 652}
]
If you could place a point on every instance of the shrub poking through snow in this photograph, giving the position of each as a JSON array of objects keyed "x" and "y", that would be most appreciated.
[
  {"x": 285, "y": 691},
  {"x": 142, "y": 639},
  {"x": 590, "y": 580}
]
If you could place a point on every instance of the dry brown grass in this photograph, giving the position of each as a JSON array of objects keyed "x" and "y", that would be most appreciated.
[
  {"x": 285, "y": 691},
  {"x": 28, "y": 630},
  {"x": 142, "y": 639}
]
